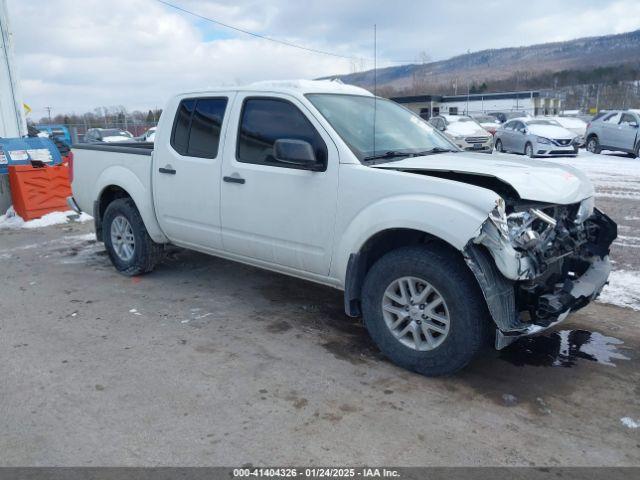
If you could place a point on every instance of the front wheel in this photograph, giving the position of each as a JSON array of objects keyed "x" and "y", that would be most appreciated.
[
  {"x": 593, "y": 146},
  {"x": 126, "y": 239},
  {"x": 424, "y": 310},
  {"x": 499, "y": 147},
  {"x": 528, "y": 150}
]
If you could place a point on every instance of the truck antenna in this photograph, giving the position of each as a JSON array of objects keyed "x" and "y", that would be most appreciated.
[{"x": 375, "y": 84}]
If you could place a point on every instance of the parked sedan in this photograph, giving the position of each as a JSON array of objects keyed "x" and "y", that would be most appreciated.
[
  {"x": 465, "y": 132},
  {"x": 536, "y": 137},
  {"x": 616, "y": 130},
  {"x": 107, "y": 135},
  {"x": 488, "y": 122},
  {"x": 148, "y": 136}
]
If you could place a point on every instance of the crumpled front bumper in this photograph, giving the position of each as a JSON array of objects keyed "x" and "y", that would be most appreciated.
[{"x": 583, "y": 290}]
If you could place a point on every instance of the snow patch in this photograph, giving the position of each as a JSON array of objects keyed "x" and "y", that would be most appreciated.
[
  {"x": 630, "y": 422},
  {"x": 11, "y": 220},
  {"x": 623, "y": 289}
]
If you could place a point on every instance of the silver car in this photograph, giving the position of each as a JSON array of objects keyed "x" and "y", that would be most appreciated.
[
  {"x": 617, "y": 130},
  {"x": 536, "y": 137}
]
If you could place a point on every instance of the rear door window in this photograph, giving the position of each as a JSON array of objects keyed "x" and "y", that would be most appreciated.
[
  {"x": 627, "y": 119},
  {"x": 197, "y": 126},
  {"x": 613, "y": 118}
]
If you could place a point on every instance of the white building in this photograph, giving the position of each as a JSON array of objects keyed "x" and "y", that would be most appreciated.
[{"x": 534, "y": 102}]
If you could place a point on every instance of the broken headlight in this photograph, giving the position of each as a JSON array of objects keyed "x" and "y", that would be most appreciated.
[
  {"x": 523, "y": 229},
  {"x": 498, "y": 217},
  {"x": 585, "y": 210}
]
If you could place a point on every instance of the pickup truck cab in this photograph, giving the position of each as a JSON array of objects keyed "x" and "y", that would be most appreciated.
[{"x": 436, "y": 248}]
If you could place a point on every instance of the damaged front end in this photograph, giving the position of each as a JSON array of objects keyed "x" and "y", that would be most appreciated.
[{"x": 536, "y": 263}]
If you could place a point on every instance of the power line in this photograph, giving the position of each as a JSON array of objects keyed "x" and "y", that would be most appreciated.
[
  {"x": 253, "y": 34},
  {"x": 264, "y": 37}
]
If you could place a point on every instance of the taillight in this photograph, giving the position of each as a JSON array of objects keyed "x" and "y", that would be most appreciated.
[
  {"x": 588, "y": 125},
  {"x": 70, "y": 162}
]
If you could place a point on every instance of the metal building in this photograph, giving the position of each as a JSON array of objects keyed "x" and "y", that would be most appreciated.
[{"x": 534, "y": 102}]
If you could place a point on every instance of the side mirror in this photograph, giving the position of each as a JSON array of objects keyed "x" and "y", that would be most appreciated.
[{"x": 296, "y": 152}]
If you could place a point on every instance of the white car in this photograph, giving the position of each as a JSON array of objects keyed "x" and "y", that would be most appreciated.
[
  {"x": 488, "y": 122},
  {"x": 148, "y": 136},
  {"x": 107, "y": 135},
  {"x": 465, "y": 132},
  {"x": 434, "y": 247},
  {"x": 573, "y": 124}
]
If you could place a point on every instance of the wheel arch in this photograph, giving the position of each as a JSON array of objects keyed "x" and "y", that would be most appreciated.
[
  {"x": 374, "y": 248},
  {"x": 119, "y": 182}
]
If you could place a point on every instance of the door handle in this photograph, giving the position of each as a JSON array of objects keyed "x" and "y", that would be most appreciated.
[
  {"x": 167, "y": 169},
  {"x": 233, "y": 179}
]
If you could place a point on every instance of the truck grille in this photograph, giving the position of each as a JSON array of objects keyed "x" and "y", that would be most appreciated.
[{"x": 476, "y": 139}]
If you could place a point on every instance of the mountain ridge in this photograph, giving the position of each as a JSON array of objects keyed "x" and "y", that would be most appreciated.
[{"x": 500, "y": 63}]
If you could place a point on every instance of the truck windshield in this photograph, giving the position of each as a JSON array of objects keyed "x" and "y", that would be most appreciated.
[{"x": 398, "y": 132}]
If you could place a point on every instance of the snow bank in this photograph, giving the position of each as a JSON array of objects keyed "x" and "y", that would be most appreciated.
[
  {"x": 11, "y": 220},
  {"x": 623, "y": 289},
  {"x": 613, "y": 176}
]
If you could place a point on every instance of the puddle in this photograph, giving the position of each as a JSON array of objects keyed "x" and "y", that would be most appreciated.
[{"x": 564, "y": 349}]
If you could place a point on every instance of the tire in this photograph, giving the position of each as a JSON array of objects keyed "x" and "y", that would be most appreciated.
[
  {"x": 499, "y": 146},
  {"x": 451, "y": 279},
  {"x": 144, "y": 254},
  {"x": 637, "y": 154},
  {"x": 593, "y": 145},
  {"x": 528, "y": 150}
]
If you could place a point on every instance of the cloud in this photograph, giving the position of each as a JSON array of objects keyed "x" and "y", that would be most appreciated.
[{"x": 74, "y": 56}]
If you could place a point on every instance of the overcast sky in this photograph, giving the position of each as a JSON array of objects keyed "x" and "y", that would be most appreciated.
[{"x": 74, "y": 56}]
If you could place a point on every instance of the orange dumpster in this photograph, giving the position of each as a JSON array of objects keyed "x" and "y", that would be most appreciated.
[{"x": 38, "y": 191}]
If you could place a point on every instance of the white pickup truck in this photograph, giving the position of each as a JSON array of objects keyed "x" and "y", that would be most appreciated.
[{"x": 438, "y": 250}]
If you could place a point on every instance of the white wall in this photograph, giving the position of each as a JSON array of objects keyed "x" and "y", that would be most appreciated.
[
  {"x": 12, "y": 120},
  {"x": 488, "y": 105}
]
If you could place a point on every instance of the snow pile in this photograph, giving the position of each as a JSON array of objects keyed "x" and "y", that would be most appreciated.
[
  {"x": 11, "y": 220},
  {"x": 623, "y": 289},
  {"x": 613, "y": 176},
  {"x": 630, "y": 422}
]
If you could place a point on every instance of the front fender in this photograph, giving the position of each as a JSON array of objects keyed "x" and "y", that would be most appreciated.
[
  {"x": 124, "y": 178},
  {"x": 451, "y": 220}
]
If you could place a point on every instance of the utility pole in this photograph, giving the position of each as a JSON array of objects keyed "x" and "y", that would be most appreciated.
[
  {"x": 48, "y": 109},
  {"x": 467, "y": 112}
]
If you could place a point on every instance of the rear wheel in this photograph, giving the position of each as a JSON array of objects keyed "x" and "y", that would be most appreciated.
[
  {"x": 499, "y": 147},
  {"x": 593, "y": 145},
  {"x": 423, "y": 308},
  {"x": 528, "y": 150},
  {"x": 126, "y": 239}
]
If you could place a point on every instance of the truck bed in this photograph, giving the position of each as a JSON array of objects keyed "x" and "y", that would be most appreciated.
[{"x": 96, "y": 166}]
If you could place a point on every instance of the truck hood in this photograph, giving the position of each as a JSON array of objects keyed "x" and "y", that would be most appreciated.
[{"x": 534, "y": 180}]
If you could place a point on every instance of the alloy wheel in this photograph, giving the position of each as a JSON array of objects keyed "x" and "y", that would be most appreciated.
[
  {"x": 122, "y": 238},
  {"x": 416, "y": 313}
]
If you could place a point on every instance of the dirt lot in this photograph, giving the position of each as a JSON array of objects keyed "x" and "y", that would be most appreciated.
[{"x": 205, "y": 362}]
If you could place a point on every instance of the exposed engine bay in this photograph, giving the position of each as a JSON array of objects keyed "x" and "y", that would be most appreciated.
[
  {"x": 551, "y": 260},
  {"x": 535, "y": 262}
]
